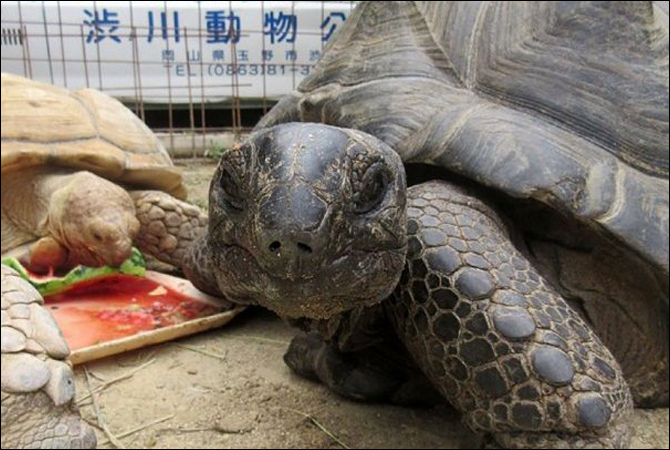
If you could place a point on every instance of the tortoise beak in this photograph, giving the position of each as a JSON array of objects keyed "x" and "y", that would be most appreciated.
[
  {"x": 93, "y": 257},
  {"x": 121, "y": 252}
]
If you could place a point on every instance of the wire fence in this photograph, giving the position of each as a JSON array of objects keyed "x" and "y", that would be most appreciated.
[{"x": 185, "y": 67}]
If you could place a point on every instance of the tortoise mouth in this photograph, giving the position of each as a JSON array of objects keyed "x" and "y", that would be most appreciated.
[
  {"x": 358, "y": 278},
  {"x": 87, "y": 255}
]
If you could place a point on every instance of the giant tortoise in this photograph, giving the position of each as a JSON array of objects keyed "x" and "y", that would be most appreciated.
[{"x": 524, "y": 272}]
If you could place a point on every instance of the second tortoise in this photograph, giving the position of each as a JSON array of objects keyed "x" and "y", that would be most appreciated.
[{"x": 87, "y": 180}]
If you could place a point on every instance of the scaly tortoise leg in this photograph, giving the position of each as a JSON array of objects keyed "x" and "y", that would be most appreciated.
[
  {"x": 168, "y": 226},
  {"x": 498, "y": 342},
  {"x": 38, "y": 409},
  {"x": 46, "y": 254}
]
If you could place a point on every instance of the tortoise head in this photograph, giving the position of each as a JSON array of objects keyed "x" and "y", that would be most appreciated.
[
  {"x": 95, "y": 219},
  {"x": 308, "y": 220}
]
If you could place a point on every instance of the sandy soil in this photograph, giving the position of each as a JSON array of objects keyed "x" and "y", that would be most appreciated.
[{"x": 229, "y": 388}]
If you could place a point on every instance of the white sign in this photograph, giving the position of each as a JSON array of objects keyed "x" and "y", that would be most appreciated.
[{"x": 164, "y": 52}]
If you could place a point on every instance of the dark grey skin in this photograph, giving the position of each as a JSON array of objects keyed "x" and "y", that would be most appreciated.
[
  {"x": 287, "y": 206},
  {"x": 314, "y": 223},
  {"x": 534, "y": 292},
  {"x": 560, "y": 109}
]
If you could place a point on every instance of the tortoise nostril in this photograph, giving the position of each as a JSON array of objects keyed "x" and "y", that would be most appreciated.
[
  {"x": 275, "y": 246},
  {"x": 304, "y": 248},
  {"x": 289, "y": 249}
]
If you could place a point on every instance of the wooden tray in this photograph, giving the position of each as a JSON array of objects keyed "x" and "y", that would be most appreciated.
[{"x": 123, "y": 313}]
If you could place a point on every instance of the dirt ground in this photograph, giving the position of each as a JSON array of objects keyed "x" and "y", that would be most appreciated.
[{"x": 229, "y": 388}]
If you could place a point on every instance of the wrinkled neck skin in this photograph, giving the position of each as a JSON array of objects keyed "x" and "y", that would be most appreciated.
[
  {"x": 308, "y": 220},
  {"x": 56, "y": 220}
]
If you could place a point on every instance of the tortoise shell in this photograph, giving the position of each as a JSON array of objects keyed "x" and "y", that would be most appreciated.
[
  {"x": 85, "y": 129},
  {"x": 561, "y": 102}
]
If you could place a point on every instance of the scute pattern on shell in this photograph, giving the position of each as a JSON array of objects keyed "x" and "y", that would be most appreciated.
[
  {"x": 85, "y": 129},
  {"x": 38, "y": 388},
  {"x": 495, "y": 91}
]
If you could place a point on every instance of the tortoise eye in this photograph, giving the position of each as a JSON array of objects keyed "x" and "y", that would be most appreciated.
[
  {"x": 231, "y": 190},
  {"x": 373, "y": 189}
]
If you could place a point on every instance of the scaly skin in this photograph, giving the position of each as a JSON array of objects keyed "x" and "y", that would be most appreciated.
[
  {"x": 38, "y": 409},
  {"x": 168, "y": 226},
  {"x": 532, "y": 102},
  {"x": 487, "y": 330},
  {"x": 495, "y": 338},
  {"x": 481, "y": 323}
]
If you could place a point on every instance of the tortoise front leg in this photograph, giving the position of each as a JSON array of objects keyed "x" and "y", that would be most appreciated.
[
  {"x": 168, "y": 226},
  {"x": 498, "y": 342},
  {"x": 38, "y": 408},
  {"x": 44, "y": 255}
]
